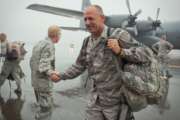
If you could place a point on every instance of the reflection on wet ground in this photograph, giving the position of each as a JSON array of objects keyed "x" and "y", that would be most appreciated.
[
  {"x": 76, "y": 92},
  {"x": 11, "y": 109},
  {"x": 70, "y": 104}
]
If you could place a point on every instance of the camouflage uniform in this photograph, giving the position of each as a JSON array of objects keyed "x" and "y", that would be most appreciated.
[
  {"x": 3, "y": 48},
  {"x": 162, "y": 48},
  {"x": 11, "y": 70},
  {"x": 3, "y": 51},
  {"x": 42, "y": 63},
  {"x": 104, "y": 98}
]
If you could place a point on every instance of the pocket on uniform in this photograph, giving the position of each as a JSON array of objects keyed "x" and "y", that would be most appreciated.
[{"x": 108, "y": 55}]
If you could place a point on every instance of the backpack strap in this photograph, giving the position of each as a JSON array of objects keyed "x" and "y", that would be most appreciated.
[{"x": 108, "y": 31}]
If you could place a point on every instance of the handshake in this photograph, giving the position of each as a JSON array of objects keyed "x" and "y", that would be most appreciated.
[{"x": 55, "y": 76}]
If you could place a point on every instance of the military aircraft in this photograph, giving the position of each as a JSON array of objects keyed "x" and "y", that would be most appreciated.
[
  {"x": 72, "y": 107},
  {"x": 147, "y": 31}
]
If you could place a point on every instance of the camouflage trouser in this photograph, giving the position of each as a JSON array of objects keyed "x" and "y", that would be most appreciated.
[
  {"x": 45, "y": 102},
  {"x": 164, "y": 103},
  {"x": 14, "y": 69},
  {"x": 17, "y": 77},
  {"x": 2, "y": 59},
  {"x": 97, "y": 111},
  {"x": 164, "y": 65}
]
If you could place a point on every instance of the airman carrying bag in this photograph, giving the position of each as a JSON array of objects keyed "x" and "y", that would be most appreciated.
[
  {"x": 143, "y": 85},
  {"x": 16, "y": 51}
]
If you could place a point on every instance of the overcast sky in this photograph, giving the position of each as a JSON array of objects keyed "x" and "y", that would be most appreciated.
[{"x": 22, "y": 24}]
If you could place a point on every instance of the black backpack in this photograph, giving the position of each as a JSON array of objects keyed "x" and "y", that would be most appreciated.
[{"x": 12, "y": 55}]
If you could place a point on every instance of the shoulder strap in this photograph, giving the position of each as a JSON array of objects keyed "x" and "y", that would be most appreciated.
[
  {"x": 114, "y": 57},
  {"x": 108, "y": 31},
  {"x": 86, "y": 41}
]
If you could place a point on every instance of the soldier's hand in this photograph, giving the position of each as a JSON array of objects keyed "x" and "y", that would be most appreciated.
[
  {"x": 55, "y": 76},
  {"x": 55, "y": 72},
  {"x": 114, "y": 45}
]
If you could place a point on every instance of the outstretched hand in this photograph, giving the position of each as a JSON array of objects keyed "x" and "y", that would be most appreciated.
[{"x": 55, "y": 77}]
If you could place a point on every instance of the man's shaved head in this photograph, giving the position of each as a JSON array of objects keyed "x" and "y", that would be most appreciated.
[
  {"x": 54, "y": 33},
  {"x": 97, "y": 7},
  {"x": 94, "y": 19}
]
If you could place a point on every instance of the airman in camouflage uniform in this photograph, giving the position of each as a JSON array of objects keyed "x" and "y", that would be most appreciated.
[
  {"x": 11, "y": 69},
  {"x": 97, "y": 56},
  {"x": 162, "y": 48},
  {"x": 42, "y": 65}
]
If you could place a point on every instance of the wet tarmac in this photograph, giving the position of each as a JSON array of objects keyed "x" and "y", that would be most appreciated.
[{"x": 70, "y": 102}]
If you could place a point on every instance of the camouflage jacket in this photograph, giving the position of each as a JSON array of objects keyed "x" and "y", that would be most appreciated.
[
  {"x": 42, "y": 63},
  {"x": 3, "y": 49},
  {"x": 99, "y": 61},
  {"x": 11, "y": 69}
]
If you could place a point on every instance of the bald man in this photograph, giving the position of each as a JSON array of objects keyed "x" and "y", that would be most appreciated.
[
  {"x": 42, "y": 65},
  {"x": 97, "y": 56}
]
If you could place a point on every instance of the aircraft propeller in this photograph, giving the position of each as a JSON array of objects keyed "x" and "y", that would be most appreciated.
[
  {"x": 132, "y": 17},
  {"x": 130, "y": 23},
  {"x": 156, "y": 23},
  {"x": 149, "y": 25}
]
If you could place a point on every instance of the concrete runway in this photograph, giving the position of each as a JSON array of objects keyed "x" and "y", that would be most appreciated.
[{"x": 71, "y": 103}]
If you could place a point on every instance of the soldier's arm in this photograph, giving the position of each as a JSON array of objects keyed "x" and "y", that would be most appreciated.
[
  {"x": 170, "y": 46},
  {"x": 78, "y": 68},
  {"x": 155, "y": 47},
  {"x": 137, "y": 54},
  {"x": 132, "y": 50},
  {"x": 46, "y": 58}
]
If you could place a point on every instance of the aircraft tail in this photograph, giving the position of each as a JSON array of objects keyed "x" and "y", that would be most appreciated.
[{"x": 85, "y": 3}]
